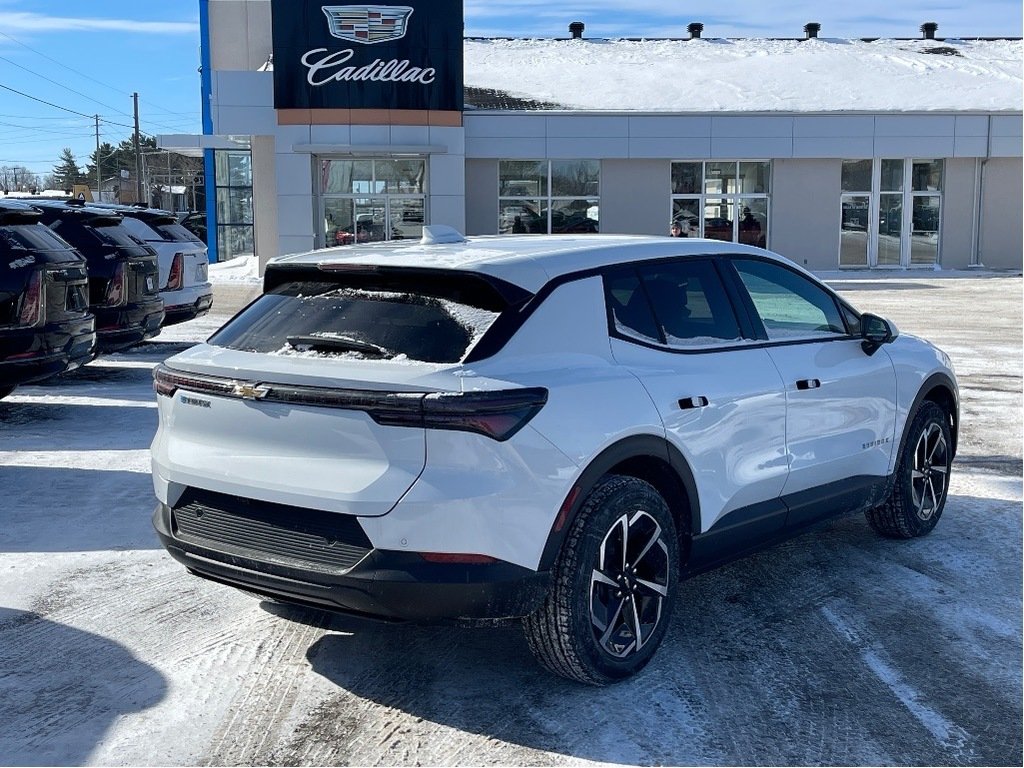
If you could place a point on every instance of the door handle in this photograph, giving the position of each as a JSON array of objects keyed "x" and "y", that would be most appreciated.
[
  {"x": 808, "y": 384},
  {"x": 698, "y": 401}
]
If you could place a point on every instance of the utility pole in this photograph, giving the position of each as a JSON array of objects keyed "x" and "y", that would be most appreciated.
[
  {"x": 99, "y": 194},
  {"x": 138, "y": 153}
]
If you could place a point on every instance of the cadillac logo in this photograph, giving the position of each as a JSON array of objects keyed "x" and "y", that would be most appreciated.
[{"x": 367, "y": 23}]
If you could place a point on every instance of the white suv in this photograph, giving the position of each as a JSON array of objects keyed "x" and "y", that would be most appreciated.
[{"x": 557, "y": 428}]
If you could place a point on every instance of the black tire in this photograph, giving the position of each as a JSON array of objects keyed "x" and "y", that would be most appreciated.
[
  {"x": 921, "y": 479},
  {"x": 5, "y": 391},
  {"x": 565, "y": 633}
]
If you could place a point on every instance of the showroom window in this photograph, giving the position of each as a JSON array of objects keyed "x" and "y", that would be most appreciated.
[
  {"x": 548, "y": 196},
  {"x": 722, "y": 200},
  {"x": 890, "y": 213},
  {"x": 233, "y": 175},
  {"x": 370, "y": 200}
]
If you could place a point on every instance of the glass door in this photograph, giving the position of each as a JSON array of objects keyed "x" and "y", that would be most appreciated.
[{"x": 855, "y": 229}]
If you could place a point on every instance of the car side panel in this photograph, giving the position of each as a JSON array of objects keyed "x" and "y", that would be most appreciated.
[
  {"x": 736, "y": 444},
  {"x": 843, "y": 426},
  {"x": 915, "y": 362}
]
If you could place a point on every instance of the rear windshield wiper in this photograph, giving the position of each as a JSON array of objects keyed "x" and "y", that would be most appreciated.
[{"x": 339, "y": 344}]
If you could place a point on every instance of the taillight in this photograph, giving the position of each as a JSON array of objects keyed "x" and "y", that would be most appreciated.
[
  {"x": 496, "y": 414},
  {"x": 31, "y": 312},
  {"x": 117, "y": 288},
  {"x": 175, "y": 278}
]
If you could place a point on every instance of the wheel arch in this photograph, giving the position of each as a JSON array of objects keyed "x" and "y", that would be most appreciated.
[
  {"x": 940, "y": 389},
  {"x": 647, "y": 457}
]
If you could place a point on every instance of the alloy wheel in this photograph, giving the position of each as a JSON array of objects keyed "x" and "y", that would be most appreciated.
[
  {"x": 930, "y": 473},
  {"x": 629, "y": 584}
]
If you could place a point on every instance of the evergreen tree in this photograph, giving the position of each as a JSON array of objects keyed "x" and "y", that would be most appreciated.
[
  {"x": 108, "y": 163},
  {"x": 66, "y": 172}
]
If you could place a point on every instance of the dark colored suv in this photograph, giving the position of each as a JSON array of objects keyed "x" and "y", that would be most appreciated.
[
  {"x": 45, "y": 324},
  {"x": 124, "y": 277}
]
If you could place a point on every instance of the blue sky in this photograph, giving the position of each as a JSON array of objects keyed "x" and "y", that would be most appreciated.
[{"x": 89, "y": 56}]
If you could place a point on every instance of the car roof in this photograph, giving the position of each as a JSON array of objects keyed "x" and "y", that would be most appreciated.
[
  {"x": 84, "y": 211},
  {"x": 136, "y": 212},
  {"x": 529, "y": 261}
]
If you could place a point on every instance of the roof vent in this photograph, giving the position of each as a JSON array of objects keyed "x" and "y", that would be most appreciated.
[
  {"x": 928, "y": 29},
  {"x": 576, "y": 30},
  {"x": 811, "y": 29},
  {"x": 436, "y": 234},
  {"x": 695, "y": 29}
]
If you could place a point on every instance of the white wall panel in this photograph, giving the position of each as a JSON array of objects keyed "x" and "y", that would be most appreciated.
[
  {"x": 294, "y": 174},
  {"x": 585, "y": 126},
  {"x": 330, "y": 134},
  {"x": 410, "y": 134},
  {"x": 914, "y": 146},
  {"x": 587, "y": 148},
  {"x": 246, "y": 121},
  {"x": 970, "y": 146},
  {"x": 823, "y": 126},
  {"x": 447, "y": 175},
  {"x": 295, "y": 215},
  {"x": 449, "y": 210},
  {"x": 452, "y": 138},
  {"x": 754, "y": 126},
  {"x": 753, "y": 148},
  {"x": 848, "y": 148},
  {"x": 682, "y": 148},
  {"x": 971, "y": 125},
  {"x": 525, "y": 148},
  {"x": 498, "y": 126},
  {"x": 1005, "y": 146},
  {"x": 669, "y": 126},
  {"x": 371, "y": 134},
  {"x": 1006, "y": 125},
  {"x": 914, "y": 125}
]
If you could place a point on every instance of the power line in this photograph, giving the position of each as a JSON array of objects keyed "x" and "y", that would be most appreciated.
[
  {"x": 87, "y": 77},
  {"x": 61, "y": 85},
  {"x": 58, "y": 106}
]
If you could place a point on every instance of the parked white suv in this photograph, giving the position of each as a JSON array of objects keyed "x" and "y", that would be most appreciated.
[
  {"x": 557, "y": 428},
  {"x": 184, "y": 264}
]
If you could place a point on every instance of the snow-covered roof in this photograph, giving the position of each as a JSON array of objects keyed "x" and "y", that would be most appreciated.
[
  {"x": 528, "y": 261},
  {"x": 750, "y": 75}
]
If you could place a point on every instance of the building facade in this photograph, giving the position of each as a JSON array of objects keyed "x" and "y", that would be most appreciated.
[{"x": 292, "y": 165}]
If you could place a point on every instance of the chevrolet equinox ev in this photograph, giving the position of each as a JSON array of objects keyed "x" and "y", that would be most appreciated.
[{"x": 553, "y": 428}]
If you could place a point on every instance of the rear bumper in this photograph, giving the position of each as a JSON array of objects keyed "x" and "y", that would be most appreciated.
[
  {"x": 182, "y": 308},
  {"x": 35, "y": 354},
  {"x": 120, "y": 328},
  {"x": 385, "y": 584}
]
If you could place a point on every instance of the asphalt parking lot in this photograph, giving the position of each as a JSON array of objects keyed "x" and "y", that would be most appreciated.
[{"x": 838, "y": 647}]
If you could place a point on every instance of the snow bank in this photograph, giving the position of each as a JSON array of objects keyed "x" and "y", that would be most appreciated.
[{"x": 241, "y": 269}]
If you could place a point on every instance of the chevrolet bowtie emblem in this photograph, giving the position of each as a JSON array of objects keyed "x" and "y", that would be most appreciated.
[{"x": 248, "y": 391}]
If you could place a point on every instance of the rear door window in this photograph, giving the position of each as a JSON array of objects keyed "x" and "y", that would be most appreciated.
[
  {"x": 329, "y": 319},
  {"x": 36, "y": 237},
  {"x": 681, "y": 303}
]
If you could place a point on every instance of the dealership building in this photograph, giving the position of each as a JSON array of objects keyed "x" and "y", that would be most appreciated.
[{"x": 339, "y": 124}]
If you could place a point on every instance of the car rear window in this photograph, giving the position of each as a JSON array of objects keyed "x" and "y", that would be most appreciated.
[
  {"x": 176, "y": 233},
  {"x": 331, "y": 319},
  {"x": 35, "y": 237},
  {"x": 86, "y": 238}
]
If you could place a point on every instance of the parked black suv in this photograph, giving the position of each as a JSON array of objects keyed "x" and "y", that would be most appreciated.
[
  {"x": 124, "y": 278},
  {"x": 45, "y": 324}
]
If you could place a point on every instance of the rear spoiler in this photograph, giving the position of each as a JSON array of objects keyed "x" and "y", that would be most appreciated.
[{"x": 11, "y": 216}]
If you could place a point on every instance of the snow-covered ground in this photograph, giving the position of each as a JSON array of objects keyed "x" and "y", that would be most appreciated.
[{"x": 838, "y": 647}]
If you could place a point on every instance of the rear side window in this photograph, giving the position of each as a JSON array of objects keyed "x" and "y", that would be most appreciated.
[
  {"x": 313, "y": 318},
  {"x": 790, "y": 305},
  {"x": 682, "y": 304}
]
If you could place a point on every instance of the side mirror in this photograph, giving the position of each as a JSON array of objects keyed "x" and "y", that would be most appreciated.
[{"x": 876, "y": 331}]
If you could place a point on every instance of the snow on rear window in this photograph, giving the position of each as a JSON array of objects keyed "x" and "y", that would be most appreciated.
[{"x": 321, "y": 320}]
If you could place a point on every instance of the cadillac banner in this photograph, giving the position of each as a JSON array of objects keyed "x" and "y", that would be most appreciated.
[{"x": 406, "y": 56}]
